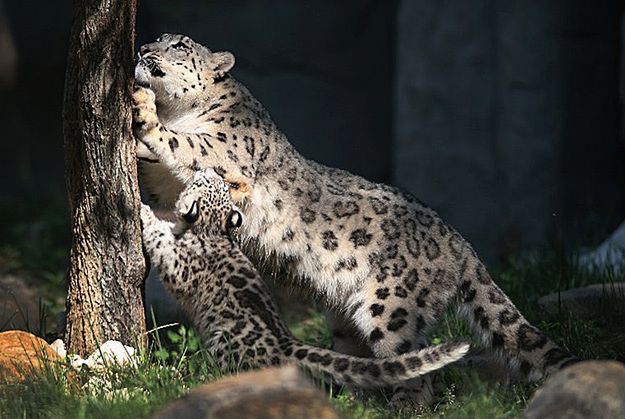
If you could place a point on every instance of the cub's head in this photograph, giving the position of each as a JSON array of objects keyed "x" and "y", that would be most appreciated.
[
  {"x": 179, "y": 70},
  {"x": 206, "y": 204}
]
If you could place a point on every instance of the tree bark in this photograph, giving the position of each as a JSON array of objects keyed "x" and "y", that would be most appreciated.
[{"x": 107, "y": 266}]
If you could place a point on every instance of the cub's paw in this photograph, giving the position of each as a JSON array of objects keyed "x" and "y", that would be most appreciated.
[{"x": 144, "y": 115}]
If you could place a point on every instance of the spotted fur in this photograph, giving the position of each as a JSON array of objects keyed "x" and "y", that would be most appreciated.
[
  {"x": 366, "y": 249},
  {"x": 218, "y": 286}
]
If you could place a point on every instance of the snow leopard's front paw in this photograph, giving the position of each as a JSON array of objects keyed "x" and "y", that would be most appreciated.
[{"x": 144, "y": 115}]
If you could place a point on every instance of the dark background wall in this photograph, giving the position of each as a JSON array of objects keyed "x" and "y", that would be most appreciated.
[
  {"x": 508, "y": 116},
  {"x": 498, "y": 114}
]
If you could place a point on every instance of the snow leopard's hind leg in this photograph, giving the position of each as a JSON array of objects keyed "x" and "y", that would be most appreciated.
[
  {"x": 348, "y": 340},
  {"x": 501, "y": 326},
  {"x": 394, "y": 316}
]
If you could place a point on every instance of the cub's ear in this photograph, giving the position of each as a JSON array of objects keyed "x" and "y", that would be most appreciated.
[
  {"x": 222, "y": 62},
  {"x": 209, "y": 172},
  {"x": 193, "y": 214},
  {"x": 235, "y": 219}
]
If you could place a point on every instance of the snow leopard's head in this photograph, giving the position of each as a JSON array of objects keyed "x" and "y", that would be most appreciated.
[
  {"x": 206, "y": 204},
  {"x": 180, "y": 71}
]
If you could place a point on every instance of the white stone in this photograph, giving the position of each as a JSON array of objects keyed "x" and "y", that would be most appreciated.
[
  {"x": 76, "y": 361},
  {"x": 59, "y": 348},
  {"x": 112, "y": 351}
]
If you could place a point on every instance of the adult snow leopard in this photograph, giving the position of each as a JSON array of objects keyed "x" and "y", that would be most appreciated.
[{"x": 386, "y": 265}]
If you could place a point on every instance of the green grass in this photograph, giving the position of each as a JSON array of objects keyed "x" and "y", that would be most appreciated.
[
  {"x": 175, "y": 362},
  {"x": 164, "y": 371}
]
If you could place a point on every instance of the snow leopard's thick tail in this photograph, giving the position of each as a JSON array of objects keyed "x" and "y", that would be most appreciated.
[{"x": 376, "y": 372}]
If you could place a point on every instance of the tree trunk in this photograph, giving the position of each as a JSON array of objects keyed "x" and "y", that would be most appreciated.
[{"x": 107, "y": 266}]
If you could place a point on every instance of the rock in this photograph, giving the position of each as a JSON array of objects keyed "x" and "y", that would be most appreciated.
[
  {"x": 269, "y": 393},
  {"x": 591, "y": 389},
  {"x": 23, "y": 355},
  {"x": 109, "y": 353},
  {"x": 583, "y": 300},
  {"x": 113, "y": 351},
  {"x": 610, "y": 254}
]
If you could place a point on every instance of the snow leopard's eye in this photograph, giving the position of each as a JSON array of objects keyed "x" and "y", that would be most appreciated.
[
  {"x": 179, "y": 45},
  {"x": 193, "y": 214},
  {"x": 235, "y": 219}
]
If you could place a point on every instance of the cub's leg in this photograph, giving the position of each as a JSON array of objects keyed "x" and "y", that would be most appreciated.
[{"x": 158, "y": 238}]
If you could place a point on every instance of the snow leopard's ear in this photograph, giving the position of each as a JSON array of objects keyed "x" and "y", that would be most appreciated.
[
  {"x": 222, "y": 62},
  {"x": 193, "y": 214}
]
